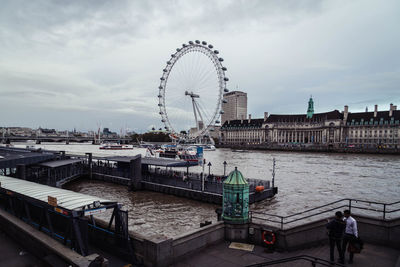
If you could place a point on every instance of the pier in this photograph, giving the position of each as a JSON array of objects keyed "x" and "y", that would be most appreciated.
[{"x": 154, "y": 174}]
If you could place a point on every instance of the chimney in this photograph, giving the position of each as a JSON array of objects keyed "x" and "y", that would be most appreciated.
[
  {"x": 265, "y": 116},
  {"x": 366, "y": 109},
  {"x": 391, "y": 110},
  {"x": 376, "y": 111},
  {"x": 394, "y": 108},
  {"x": 241, "y": 119},
  {"x": 345, "y": 113},
  {"x": 249, "y": 118}
]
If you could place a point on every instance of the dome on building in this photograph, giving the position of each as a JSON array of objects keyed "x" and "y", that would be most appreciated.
[{"x": 235, "y": 178}]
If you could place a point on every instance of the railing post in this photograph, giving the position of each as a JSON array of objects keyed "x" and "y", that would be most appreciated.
[
  {"x": 350, "y": 205},
  {"x": 281, "y": 223},
  {"x": 384, "y": 211}
]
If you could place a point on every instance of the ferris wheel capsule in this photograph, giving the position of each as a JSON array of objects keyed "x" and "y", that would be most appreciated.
[
  {"x": 204, "y": 43},
  {"x": 210, "y": 46},
  {"x": 216, "y": 52},
  {"x": 191, "y": 42},
  {"x": 226, "y": 91},
  {"x": 221, "y": 59},
  {"x": 224, "y": 69},
  {"x": 197, "y": 42}
]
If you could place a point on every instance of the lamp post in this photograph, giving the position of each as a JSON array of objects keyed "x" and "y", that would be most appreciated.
[
  {"x": 202, "y": 175},
  {"x": 209, "y": 168},
  {"x": 224, "y": 167}
]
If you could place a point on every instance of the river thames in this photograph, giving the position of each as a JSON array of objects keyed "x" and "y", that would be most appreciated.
[{"x": 305, "y": 180}]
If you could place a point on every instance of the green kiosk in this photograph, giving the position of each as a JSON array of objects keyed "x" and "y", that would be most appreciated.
[{"x": 235, "y": 208}]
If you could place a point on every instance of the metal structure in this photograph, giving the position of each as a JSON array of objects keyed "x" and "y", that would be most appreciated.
[
  {"x": 376, "y": 209},
  {"x": 65, "y": 215},
  {"x": 191, "y": 91},
  {"x": 235, "y": 198}
]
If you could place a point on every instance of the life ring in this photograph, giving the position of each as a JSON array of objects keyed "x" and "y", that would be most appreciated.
[{"x": 272, "y": 238}]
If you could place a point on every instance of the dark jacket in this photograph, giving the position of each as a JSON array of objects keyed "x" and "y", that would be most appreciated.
[{"x": 336, "y": 228}]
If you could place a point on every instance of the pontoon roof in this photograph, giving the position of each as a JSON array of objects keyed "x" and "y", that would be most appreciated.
[{"x": 65, "y": 198}]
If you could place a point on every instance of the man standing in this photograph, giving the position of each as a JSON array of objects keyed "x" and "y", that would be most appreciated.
[
  {"x": 336, "y": 228},
  {"x": 350, "y": 234}
]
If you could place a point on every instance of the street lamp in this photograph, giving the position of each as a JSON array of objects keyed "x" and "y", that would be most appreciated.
[
  {"x": 209, "y": 168},
  {"x": 224, "y": 167}
]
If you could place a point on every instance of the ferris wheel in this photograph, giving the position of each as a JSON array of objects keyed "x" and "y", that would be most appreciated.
[{"x": 191, "y": 91}]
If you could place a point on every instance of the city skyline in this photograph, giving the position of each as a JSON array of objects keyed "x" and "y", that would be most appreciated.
[{"x": 75, "y": 65}]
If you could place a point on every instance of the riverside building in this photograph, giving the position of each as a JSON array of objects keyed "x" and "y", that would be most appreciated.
[
  {"x": 378, "y": 129},
  {"x": 234, "y": 106}
]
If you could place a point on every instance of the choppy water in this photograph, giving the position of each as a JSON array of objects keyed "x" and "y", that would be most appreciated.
[{"x": 304, "y": 180}]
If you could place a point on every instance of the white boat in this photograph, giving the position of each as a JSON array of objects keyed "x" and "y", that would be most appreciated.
[{"x": 109, "y": 146}]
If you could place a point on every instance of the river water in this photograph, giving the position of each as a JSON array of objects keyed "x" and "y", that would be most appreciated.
[{"x": 304, "y": 180}]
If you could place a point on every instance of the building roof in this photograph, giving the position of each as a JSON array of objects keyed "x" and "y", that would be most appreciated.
[
  {"x": 59, "y": 163},
  {"x": 256, "y": 123},
  {"x": 367, "y": 116},
  {"x": 235, "y": 178},
  {"x": 65, "y": 199},
  {"x": 162, "y": 162},
  {"x": 11, "y": 157},
  {"x": 332, "y": 115}
]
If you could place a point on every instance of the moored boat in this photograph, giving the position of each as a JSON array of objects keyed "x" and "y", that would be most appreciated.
[{"x": 109, "y": 146}]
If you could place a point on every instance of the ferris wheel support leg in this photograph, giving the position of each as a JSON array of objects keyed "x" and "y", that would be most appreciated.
[{"x": 195, "y": 114}]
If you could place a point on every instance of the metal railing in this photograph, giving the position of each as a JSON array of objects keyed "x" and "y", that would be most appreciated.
[
  {"x": 313, "y": 260},
  {"x": 363, "y": 207}
]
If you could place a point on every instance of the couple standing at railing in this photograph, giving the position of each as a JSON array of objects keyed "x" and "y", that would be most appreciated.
[{"x": 343, "y": 232}]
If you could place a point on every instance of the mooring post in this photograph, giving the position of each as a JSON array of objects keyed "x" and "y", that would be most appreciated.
[
  {"x": 135, "y": 167},
  {"x": 90, "y": 158}
]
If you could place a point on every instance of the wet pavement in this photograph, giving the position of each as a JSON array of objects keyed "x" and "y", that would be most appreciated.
[
  {"x": 220, "y": 255},
  {"x": 13, "y": 254}
]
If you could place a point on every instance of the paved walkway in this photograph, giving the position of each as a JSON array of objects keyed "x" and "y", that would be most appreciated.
[
  {"x": 14, "y": 255},
  {"x": 220, "y": 255}
]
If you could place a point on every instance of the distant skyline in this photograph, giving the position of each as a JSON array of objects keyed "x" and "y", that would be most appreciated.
[{"x": 81, "y": 64}]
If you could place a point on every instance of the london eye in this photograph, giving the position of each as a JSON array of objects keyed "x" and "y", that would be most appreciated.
[{"x": 191, "y": 91}]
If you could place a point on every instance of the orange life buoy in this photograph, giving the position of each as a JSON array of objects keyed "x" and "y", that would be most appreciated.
[
  {"x": 259, "y": 188},
  {"x": 272, "y": 238}
]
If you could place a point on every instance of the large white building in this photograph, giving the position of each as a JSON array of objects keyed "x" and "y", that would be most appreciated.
[
  {"x": 378, "y": 129},
  {"x": 235, "y": 107}
]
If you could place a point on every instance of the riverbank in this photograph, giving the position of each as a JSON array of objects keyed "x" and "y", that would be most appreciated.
[{"x": 317, "y": 148}]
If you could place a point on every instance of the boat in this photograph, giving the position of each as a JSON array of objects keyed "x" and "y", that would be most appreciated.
[
  {"x": 189, "y": 154},
  {"x": 109, "y": 146}
]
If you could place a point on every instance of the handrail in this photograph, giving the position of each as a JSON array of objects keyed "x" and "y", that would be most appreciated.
[
  {"x": 350, "y": 204},
  {"x": 314, "y": 261}
]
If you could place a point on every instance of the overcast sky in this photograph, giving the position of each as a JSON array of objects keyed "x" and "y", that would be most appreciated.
[{"x": 66, "y": 64}]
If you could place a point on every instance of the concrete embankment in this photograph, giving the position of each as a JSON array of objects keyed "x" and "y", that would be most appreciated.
[{"x": 316, "y": 148}]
